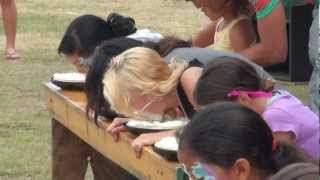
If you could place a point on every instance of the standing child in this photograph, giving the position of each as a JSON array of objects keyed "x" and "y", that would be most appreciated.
[
  {"x": 230, "y": 29},
  {"x": 289, "y": 119}
]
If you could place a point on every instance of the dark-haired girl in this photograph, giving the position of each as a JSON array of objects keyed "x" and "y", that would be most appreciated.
[
  {"x": 226, "y": 79},
  {"x": 227, "y": 141},
  {"x": 86, "y": 32},
  {"x": 71, "y": 155}
]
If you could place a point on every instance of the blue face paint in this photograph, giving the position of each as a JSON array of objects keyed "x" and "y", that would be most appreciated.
[{"x": 200, "y": 171}]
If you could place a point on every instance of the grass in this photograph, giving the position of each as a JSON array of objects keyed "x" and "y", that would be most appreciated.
[{"x": 25, "y": 133}]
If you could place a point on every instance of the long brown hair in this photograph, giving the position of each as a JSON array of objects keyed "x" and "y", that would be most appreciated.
[{"x": 223, "y": 75}]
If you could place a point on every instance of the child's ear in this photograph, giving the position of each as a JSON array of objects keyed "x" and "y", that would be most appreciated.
[
  {"x": 244, "y": 99},
  {"x": 241, "y": 169}
]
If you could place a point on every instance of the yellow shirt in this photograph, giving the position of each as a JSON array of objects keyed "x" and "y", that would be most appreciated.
[{"x": 222, "y": 38}]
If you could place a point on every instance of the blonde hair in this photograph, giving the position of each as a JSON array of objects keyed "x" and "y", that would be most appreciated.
[{"x": 140, "y": 70}]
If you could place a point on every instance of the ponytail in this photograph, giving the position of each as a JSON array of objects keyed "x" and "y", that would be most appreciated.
[
  {"x": 120, "y": 25},
  {"x": 177, "y": 67}
]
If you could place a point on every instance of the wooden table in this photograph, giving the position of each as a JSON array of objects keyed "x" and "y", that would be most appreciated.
[{"x": 68, "y": 107}]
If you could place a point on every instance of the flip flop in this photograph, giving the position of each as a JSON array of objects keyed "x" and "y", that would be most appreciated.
[{"x": 12, "y": 56}]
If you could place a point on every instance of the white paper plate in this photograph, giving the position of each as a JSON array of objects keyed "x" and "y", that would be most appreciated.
[
  {"x": 167, "y": 143},
  {"x": 69, "y": 77},
  {"x": 155, "y": 125}
]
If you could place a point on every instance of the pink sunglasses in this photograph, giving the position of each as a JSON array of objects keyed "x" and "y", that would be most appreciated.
[{"x": 236, "y": 93}]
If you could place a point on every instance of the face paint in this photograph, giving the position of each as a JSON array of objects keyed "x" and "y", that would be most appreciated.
[{"x": 199, "y": 171}]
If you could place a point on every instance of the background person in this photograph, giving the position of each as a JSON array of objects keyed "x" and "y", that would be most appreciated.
[
  {"x": 271, "y": 23},
  {"x": 230, "y": 29},
  {"x": 9, "y": 16}
]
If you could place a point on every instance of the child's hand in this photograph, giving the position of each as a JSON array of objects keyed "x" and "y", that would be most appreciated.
[
  {"x": 148, "y": 139},
  {"x": 116, "y": 127}
]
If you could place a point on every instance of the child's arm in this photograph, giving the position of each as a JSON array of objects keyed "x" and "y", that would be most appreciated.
[
  {"x": 205, "y": 37},
  {"x": 242, "y": 35},
  {"x": 273, "y": 45},
  {"x": 149, "y": 139}
]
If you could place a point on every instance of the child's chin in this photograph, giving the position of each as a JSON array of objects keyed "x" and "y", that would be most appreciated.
[{"x": 212, "y": 17}]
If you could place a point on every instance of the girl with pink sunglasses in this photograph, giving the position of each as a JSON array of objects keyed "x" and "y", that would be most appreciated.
[{"x": 233, "y": 80}]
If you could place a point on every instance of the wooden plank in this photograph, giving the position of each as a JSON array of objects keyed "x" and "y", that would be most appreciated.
[{"x": 68, "y": 108}]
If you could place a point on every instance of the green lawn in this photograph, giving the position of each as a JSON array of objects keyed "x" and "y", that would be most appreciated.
[{"x": 24, "y": 122}]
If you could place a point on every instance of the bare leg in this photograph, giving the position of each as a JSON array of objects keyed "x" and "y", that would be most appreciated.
[{"x": 9, "y": 15}]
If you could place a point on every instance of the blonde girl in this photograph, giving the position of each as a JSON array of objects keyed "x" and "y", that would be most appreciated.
[{"x": 140, "y": 84}]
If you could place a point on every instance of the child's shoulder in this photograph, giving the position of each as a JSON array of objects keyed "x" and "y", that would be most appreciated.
[
  {"x": 284, "y": 100},
  {"x": 242, "y": 34},
  {"x": 242, "y": 23},
  {"x": 285, "y": 103}
]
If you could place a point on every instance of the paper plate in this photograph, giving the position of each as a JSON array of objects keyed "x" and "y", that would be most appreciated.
[
  {"x": 139, "y": 127},
  {"x": 167, "y": 147},
  {"x": 69, "y": 80}
]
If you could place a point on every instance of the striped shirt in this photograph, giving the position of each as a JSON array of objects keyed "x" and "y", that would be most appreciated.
[{"x": 265, "y": 7}]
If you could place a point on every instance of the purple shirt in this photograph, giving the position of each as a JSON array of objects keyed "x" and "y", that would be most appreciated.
[{"x": 286, "y": 113}]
